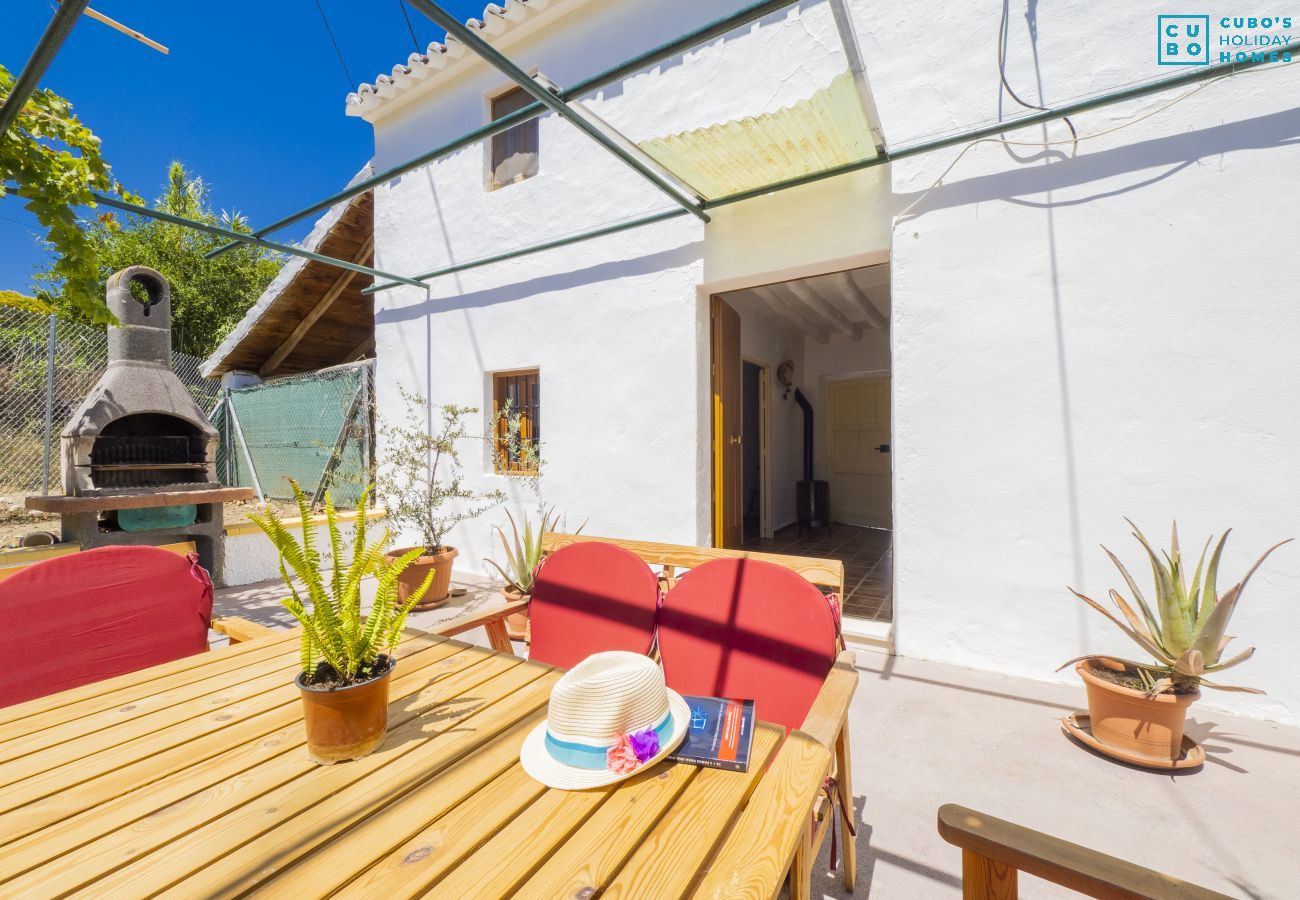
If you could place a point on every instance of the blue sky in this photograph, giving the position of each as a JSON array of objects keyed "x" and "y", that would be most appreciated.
[{"x": 250, "y": 98}]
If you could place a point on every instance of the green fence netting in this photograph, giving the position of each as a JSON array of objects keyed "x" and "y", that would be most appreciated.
[{"x": 314, "y": 428}]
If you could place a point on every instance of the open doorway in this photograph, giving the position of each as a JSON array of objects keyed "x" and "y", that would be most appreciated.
[{"x": 802, "y": 426}]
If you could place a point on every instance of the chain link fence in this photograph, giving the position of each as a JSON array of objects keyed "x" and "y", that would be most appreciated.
[
  {"x": 47, "y": 367},
  {"x": 314, "y": 428}
]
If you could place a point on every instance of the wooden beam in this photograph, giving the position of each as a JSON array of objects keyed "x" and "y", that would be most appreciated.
[
  {"x": 844, "y": 281},
  {"x": 129, "y": 32},
  {"x": 792, "y": 313},
  {"x": 819, "y": 304},
  {"x": 360, "y": 350},
  {"x": 322, "y": 306}
]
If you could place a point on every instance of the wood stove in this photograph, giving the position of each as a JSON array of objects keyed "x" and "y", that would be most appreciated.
[{"x": 138, "y": 455}]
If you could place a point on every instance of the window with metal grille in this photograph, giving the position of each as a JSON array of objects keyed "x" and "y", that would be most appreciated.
[
  {"x": 514, "y": 151},
  {"x": 517, "y": 398}
]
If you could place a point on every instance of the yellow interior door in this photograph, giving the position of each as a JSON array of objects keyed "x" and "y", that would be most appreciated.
[
  {"x": 860, "y": 455},
  {"x": 728, "y": 488}
]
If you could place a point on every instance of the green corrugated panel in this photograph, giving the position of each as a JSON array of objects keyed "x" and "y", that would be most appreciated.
[{"x": 291, "y": 427}]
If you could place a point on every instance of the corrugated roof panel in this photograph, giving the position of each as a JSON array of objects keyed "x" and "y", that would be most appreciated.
[{"x": 826, "y": 130}]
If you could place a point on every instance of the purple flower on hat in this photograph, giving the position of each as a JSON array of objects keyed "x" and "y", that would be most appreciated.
[{"x": 645, "y": 744}]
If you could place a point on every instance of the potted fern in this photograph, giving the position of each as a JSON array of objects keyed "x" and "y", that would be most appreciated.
[
  {"x": 1137, "y": 709},
  {"x": 422, "y": 487},
  {"x": 347, "y": 657},
  {"x": 521, "y": 557}
]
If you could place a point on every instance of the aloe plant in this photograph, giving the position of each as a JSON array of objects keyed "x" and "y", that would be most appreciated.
[
  {"x": 523, "y": 553},
  {"x": 333, "y": 629},
  {"x": 1184, "y": 628}
]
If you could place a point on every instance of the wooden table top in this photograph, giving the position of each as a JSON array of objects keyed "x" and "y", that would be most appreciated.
[{"x": 192, "y": 779}]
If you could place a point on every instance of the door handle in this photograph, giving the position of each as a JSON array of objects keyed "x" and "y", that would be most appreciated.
[{"x": 883, "y": 448}]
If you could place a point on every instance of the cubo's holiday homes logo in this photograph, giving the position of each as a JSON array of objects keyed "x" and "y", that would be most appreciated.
[{"x": 1187, "y": 40}]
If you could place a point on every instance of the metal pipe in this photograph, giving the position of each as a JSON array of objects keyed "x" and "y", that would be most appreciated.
[
  {"x": 985, "y": 131},
  {"x": 496, "y": 59},
  {"x": 664, "y": 51},
  {"x": 51, "y": 344},
  {"x": 219, "y": 231},
  {"x": 539, "y": 247},
  {"x": 887, "y": 156},
  {"x": 56, "y": 32}
]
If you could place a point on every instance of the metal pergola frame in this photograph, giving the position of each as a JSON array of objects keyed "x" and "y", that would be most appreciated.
[{"x": 559, "y": 102}]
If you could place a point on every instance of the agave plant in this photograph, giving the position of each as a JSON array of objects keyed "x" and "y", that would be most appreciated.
[
  {"x": 333, "y": 629},
  {"x": 523, "y": 553},
  {"x": 1184, "y": 632}
]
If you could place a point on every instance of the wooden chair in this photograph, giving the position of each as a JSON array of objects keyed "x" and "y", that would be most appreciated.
[
  {"x": 994, "y": 852},
  {"x": 738, "y": 627},
  {"x": 825, "y": 719},
  {"x": 83, "y": 617},
  {"x": 586, "y": 598}
]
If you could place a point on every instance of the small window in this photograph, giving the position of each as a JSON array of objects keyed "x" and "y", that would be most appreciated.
[
  {"x": 517, "y": 405},
  {"x": 514, "y": 151}
]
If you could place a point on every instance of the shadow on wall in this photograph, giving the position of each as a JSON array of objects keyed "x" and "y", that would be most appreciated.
[
  {"x": 622, "y": 268},
  {"x": 1176, "y": 151}
]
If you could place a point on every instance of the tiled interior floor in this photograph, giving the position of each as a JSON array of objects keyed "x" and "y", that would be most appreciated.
[{"x": 868, "y": 557}]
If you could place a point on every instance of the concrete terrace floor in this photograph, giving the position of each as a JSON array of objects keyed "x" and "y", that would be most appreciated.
[{"x": 925, "y": 733}]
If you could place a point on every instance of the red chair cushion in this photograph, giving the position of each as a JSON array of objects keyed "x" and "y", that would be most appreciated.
[
  {"x": 590, "y": 597},
  {"x": 748, "y": 629},
  {"x": 88, "y": 616}
]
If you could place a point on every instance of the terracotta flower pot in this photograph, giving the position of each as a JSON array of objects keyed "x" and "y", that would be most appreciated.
[
  {"x": 1132, "y": 721},
  {"x": 345, "y": 722},
  {"x": 414, "y": 574},
  {"x": 516, "y": 623}
]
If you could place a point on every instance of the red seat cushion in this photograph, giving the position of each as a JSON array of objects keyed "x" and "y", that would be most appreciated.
[
  {"x": 590, "y": 597},
  {"x": 88, "y": 616},
  {"x": 748, "y": 629}
]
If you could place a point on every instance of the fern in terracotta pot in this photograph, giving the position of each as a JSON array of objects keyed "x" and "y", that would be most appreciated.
[
  {"x": 1137, "y": 707},
  {"x": 347, "y": 657},
  {"x": 422, "y": 485}
]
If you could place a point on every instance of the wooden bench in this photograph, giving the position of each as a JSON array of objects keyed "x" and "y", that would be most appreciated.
[
  {"x": 994, "y": 852},
  {"x": 233, "y": 627}
]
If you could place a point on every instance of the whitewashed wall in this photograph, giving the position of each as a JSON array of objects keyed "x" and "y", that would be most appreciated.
[
  {"x": 1076, "y": 341},
  {"x": 1072, "y": 341},
  {"x": 617, "y": 327}
]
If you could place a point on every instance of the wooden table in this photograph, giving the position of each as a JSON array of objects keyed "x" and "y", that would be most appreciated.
[{"x": 191, "y": 779}]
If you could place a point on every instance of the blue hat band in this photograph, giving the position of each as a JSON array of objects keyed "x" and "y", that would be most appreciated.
[{"x": 587, "y": 756}]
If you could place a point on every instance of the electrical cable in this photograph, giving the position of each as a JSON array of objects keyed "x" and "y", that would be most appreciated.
[
  {"x": 407, "y": 16},
  {"x": 1003, "y": 29},
  {"x": 337, "y": 52},
  {"x": 1076, "y": 138}
]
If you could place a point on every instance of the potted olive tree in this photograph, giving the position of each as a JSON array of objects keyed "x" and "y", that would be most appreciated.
[
  {"x": 1137, "y": 709},
  {"x": 421, "y": 483},
  {"x": 347, "y": 657}
]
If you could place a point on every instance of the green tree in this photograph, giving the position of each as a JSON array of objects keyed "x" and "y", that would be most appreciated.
[
  {"x": 51, "y": 160},
  {"x": 209, "y": 296}
]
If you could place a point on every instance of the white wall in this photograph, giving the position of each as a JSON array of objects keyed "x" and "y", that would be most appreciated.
[
  {"x": 618, "y": 327},
  {"x": 1072, "y": 340},
  {"x": 1077, "y": 341}
]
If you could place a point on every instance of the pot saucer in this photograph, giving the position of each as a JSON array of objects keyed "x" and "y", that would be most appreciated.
[{"x": 1078, "y": 725}]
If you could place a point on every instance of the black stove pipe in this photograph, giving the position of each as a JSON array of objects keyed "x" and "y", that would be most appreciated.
[{"x": 807, "y": 433}]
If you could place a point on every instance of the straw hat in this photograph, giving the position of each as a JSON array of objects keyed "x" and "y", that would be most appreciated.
[{"x": 610, "y": 716}]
